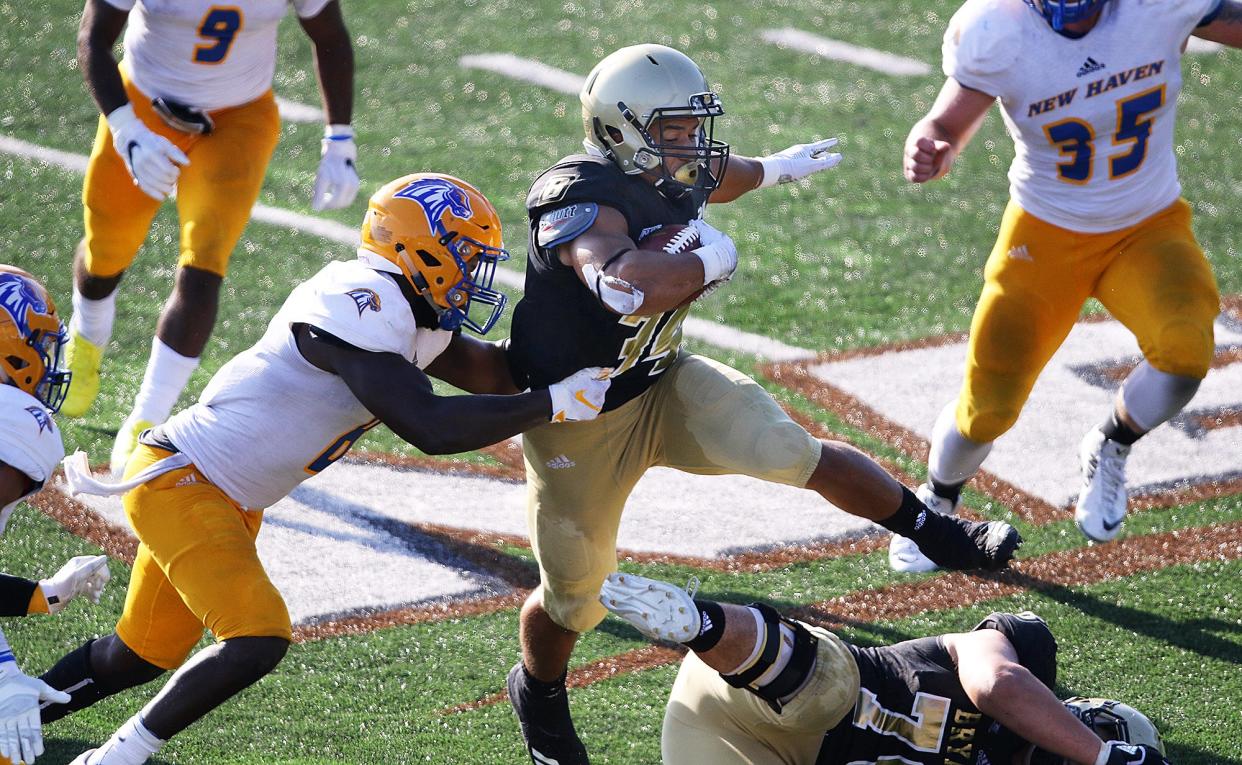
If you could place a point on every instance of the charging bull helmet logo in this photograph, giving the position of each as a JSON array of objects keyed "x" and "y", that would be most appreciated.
[
  {"x": 31, "y": 338},
  {"x": 19, "y": 299}
]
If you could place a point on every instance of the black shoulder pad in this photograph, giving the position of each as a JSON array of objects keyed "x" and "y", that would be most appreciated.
[
  {"x": 1031, "y": 638},
  {"x": 580, "y": 178}
]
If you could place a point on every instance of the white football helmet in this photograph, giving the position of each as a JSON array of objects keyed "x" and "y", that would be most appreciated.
[{"x": 1111, "y": 721}]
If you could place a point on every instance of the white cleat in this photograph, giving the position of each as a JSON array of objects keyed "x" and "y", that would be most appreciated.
[
  {"x": 903, "y": 554},
  {"x": 659, "y": 610},
  {"x": 1102, "y": 501}
]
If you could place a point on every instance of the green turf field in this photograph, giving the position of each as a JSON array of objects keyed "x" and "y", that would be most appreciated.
[{"x": 854, "y": 257}]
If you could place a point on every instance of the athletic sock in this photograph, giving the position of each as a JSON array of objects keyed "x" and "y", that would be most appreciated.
[
  {"x": 93, "y": 319},
  {"x": 942, "y": 538},
  {"x": 949, "y": 491},
  {"x": 711, "y": 626},
  {"x": 1118, "y": 432},
  {"x": 167, "y": 374},
  {"x": 132, "y": 744}
]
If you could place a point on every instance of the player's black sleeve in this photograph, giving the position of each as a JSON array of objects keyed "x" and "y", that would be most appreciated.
[
  {"x": 15, "y": 594},
  {"x": 1031, "y": 638}
]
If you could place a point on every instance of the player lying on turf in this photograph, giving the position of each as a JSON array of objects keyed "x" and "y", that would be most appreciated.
[
  {"x": 760, "y": 689},
  {"x": 599, "y": 293},
  {"x": 351, "y": 348},
  {"x": 32, "y": 385},
  {"x": 1089, "y": 91}
]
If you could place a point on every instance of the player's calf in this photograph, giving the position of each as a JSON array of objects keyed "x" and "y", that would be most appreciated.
[{"x": 96, "y": 670}]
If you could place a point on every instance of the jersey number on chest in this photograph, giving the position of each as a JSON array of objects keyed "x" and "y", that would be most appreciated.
[
  {"x": 219, "y": 29},
  {"x": 1075, "y": 139},
  {"x": 922, "y": 729},
  {"x": 649, "y": 345}
]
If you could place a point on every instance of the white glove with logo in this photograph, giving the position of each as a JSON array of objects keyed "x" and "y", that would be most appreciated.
[
  {"x": 21, "y": 736},
  {"x": 798, "y": 162},
  {"x": 336, "y": 183},
  {"x": 152, "y": 160},
  {"x": 84, "y": 575},
  {"x": 580, "y": 396},
  {"x": 718, "y": 253}
]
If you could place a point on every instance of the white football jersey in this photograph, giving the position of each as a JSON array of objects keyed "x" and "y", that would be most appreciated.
[
  {"x": 29, "y": 438},
  {"x": 1092, "y": 118},
  {"x": 269, "y": 419},
  {"x": 206, "y": 54}
]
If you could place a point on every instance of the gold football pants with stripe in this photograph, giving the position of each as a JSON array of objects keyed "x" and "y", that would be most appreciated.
[
  {"x": 709, "y": 721},
  {"x": 701, "y": 417},
  {"x": 196, "y": 567},
  {"x": 215, "y": 192},
  {"x": 1152, "y": 277}
]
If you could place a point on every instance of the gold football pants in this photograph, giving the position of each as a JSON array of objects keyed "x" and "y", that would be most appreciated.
[
  {"x": 196, "y": 567},
  {"x": 215, "y": 192},
  {"x": 709, "y": 721},
  {"x": 701, "y": 417},
  {"x": 1152, "y": 277}
]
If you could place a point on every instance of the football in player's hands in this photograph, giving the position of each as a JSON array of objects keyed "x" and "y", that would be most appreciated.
[{"x": 675, "y": 239}]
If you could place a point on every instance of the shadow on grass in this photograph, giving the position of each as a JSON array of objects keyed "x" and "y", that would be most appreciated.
[{"x": 1194, "y": 635}]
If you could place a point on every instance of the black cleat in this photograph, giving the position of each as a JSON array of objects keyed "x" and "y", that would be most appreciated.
[
  {"x": 996, "y": 542},
  {"x": 543, "y": 712}
]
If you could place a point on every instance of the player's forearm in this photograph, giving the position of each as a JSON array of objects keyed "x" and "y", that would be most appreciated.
[
  {"x": 1017, "y": 700},
  {"x": 665, "y": 280},
  {"x": 15, "y": 595},
  {"x": 334, "y": 65},
  {"x": 455, "y": 424},
  {"x": 97, "y": 33},
  {"x": 742, "y": 175},
  {"x": 1226, "y": 28}
]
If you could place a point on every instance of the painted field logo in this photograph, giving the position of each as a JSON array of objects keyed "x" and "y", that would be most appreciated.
[{"x": 1194, "y": 455}]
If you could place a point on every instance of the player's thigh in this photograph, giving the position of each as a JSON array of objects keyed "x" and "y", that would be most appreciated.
[
  {"x": 714, "y": 420},
  {"x": 204, "y": 544},
  {"x": 156, "y": 624},
  {"x": 1162, "y": 289},
  {"x": 116, "y": 213},
  {"x": 219, "y": 188},
  {"x": 576, "y": 489},
  {"x": 1036, "y": 280}
]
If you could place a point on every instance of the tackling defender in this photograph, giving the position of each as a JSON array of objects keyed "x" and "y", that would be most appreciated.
[
  {"x": 593, "y": 297},
  {"x": 32, "y": 386},
  {"x": 351, "y": 348},
  {"x": 189, "y": 107},
  {"x": 1089, "y": 91},
  {"x": 761, "y": 689}
]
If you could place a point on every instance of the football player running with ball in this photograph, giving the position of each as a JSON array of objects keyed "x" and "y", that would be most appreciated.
[
  {"x": 1088, "y": 90},
  {"x": 758, "y": 688},
  {"x": 593, "y": 297},
  {"x": 32, "y": 385},
  {"x": 350, "y": 348},
  {"x": 190, "y": 107}
]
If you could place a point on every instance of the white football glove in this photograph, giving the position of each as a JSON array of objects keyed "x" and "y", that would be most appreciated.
[
  {"x": 798, "y": 162},
  {"x": 718, "y": 253},
  {"x": 84, "y": 575},
  {"x": 21, "y": 735},
  {"x": 336, "y": 183},
  {"x": 580, "y": 396},
  {"x": 152, "y": 160}
]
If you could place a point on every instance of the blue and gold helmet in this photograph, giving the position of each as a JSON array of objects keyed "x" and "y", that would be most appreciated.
[
  {"x": 31, "y": 338},
  {"x": 1062, "y": 12}
]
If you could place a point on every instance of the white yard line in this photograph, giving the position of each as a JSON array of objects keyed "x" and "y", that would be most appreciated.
[
  {"x": 718, "y": 335},
  {"x": 295, "y": 112},
  {"x": 525, "y": 69},
  {"x": 887, "y": 63}
]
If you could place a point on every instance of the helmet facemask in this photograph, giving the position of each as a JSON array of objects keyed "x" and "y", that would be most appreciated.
[
  {"x": 1058, "y": 13},
  {"x": 31, "y": 338},
  {"x": 477, "y": 263},
  {"x": 1110, "y": 720},
  {"x": 704, "y": 161}
]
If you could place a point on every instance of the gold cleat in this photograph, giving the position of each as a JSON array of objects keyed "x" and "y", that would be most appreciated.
[{"x": 82, "y": 357}]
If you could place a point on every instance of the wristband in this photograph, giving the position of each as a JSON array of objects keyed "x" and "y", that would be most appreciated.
[
  {"x": 338, "y": 132},
  {"x": 717, "y": 262},
  {"x": 774, "y": 172}
]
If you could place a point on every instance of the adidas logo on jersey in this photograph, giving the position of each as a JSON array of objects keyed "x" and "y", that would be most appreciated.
[
  {"x": 187, "y": 479},
  {"x": 559, "y": 462},
  {"x": 1089, "y": 66}
]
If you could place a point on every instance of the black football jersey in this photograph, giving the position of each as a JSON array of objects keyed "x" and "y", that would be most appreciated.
[
  {"x": 912, "y": 709},
  {"x": 559, "y": 325}
]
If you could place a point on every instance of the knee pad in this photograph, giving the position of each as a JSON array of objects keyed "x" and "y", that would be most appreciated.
[{"x": 800, "y": 662}]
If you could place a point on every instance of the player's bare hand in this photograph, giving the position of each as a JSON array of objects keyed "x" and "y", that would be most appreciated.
[{"x": 926, "y": 159}]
